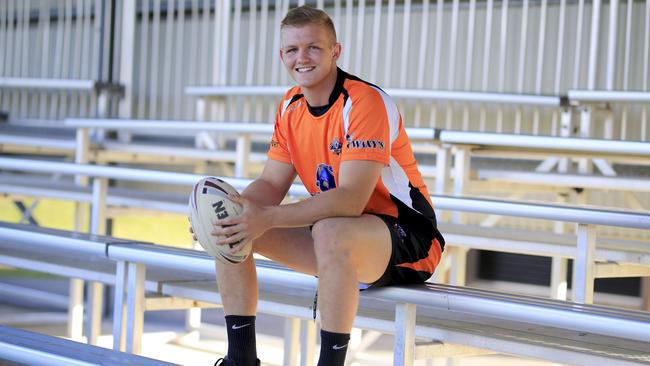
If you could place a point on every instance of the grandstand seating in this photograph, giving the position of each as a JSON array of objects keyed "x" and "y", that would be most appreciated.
[
  {"x": 126, "y": 45},
  {"x": 586, "y": 217},
  {"x": 532, "y": 327},
  {"x": 103, "y": 91}
]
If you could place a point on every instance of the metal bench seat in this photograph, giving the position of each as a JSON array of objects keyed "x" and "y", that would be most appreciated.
[
  {"x": 526, "y": 326},
  {"x": 542, "y": 243},
  {"x": 31, "y": 348}
]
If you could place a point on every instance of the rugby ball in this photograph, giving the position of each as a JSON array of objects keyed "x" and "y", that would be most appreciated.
[{"x": 208, "y": 202}]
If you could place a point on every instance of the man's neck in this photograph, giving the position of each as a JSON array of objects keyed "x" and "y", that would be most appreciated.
[{"x": 319, "y": 95}]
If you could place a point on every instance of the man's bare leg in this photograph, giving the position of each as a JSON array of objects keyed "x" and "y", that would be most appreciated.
[
  {"x": 341, "y": 251},
  {"x": 239, "y": 288},
  {"x": 348, "y": 251}
]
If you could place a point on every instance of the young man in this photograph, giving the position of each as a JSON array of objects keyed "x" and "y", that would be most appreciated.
[{"x": 369, "y": 221}]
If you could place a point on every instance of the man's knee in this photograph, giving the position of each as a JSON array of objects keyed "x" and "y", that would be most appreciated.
[{"x": 331, "y": 239}]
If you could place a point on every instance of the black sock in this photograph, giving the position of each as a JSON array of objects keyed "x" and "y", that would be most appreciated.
[
  {"x": 333, "y": 347},
  {"x": 241, "y": 340}
]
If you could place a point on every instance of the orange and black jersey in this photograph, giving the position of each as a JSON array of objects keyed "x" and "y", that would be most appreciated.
[{"x": 361, "y": 122}]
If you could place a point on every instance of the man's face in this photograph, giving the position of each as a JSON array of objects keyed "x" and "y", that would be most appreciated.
[{"x": 309, "y": 53}]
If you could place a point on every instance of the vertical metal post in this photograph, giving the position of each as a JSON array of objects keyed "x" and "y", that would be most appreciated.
[
  {"x": 443, "y": 167},
  {"x": 593, "y": 45},
  {"x": 458, "y": 270},
  {"x": 144, "y": 60},
  {"x": 291, "y": 341},
  {"x": 559, "y": 268},
  {"x": 308, "y": 346},
  {"x": 404, "y": 348},
  {"x": 155, "y": 42},
  {"x": 98, "y": 209},
  {"x": 406, "y": 22},
  {"x": 487, "y": 41},
  {"x": 388, "y": 43},
  {"x": 94, "y": 307},
  {"x": 76, "y": 305},
  {"x": 193, "y": 324},
  {"x": 577, "y": 67},
  {"x": 135, "y": 307},
  {"x": 127, "y": 56},
  {"x": 559, "y": 265},
  {"x": 75, "y": 309},
  {"x": 376, "y": 31},
  {"x": 560, "y": 47},
  {"x": 361, "y": 11},
  {"x": 461, "y": 176},
  {"x": 119, "y": 304},
  {"x": 584, "y": 267},
  {"x": 243, "y": 155},
  {"x": 611, "y": 44},
  {"x": 584, "y": 164},
  {"x": 82, "y": 151},
  {"x": 97, "y": 227}
]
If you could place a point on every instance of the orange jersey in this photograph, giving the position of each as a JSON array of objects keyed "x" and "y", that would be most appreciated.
[{"x": 361, "y": 122}]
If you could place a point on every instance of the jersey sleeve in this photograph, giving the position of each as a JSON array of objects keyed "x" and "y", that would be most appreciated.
[
  {"x": 368, "y": 127},
  {"x": 278, "y": 149}
]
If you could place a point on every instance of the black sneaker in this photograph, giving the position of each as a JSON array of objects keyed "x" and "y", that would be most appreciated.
[{"x": 225, "y": 362}]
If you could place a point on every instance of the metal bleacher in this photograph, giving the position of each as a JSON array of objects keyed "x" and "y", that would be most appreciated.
[{"x": 531, "y": 140}]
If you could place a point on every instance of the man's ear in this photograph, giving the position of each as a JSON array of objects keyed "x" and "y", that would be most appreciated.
[{"x": 337, "y": 51}]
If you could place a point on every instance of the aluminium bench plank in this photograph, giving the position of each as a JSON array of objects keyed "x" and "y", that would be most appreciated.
[
  {"x": 542, "y": 243},
  {"x": 32, "y": 348},
  {"x": 501, "y": 335}
]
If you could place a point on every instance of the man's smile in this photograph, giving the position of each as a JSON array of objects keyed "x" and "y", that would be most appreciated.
[{"x": 305, "y": 69}]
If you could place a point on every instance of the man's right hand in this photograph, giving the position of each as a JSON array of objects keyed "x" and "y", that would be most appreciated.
[{"x": 192, "y": 231}]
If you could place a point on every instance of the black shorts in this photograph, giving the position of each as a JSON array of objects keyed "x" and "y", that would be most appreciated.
[{"x": 417, "y": 246}]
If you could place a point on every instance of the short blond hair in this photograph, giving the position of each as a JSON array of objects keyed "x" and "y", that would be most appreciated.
[{"x": 305, "y": 15}]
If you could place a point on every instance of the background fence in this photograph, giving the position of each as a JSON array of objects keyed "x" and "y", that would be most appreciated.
[{"x": 158, "y": 47}]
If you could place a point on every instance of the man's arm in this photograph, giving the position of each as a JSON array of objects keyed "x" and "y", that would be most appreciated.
[
  {"x": 357, "y": 180},
  {"x": 272, "y": 185}
]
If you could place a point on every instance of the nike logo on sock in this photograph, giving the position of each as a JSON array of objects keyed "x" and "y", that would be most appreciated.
[
  {"x": 336, "y": 347},
  {"x": 235, "y": 326}
]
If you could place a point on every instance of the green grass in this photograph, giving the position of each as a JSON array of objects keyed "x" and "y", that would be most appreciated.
[
  {"x": 159, "y": 228},
  {"x": 23, "y": 273}
]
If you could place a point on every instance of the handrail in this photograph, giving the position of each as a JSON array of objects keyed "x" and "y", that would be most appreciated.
[
  {"x": 53, "y": 84},
  {"x": 58, "y": 239},
  {"x": 169, "y": 125},
  {"x": 555, "y": 212},
  {"x": 47, "y": 84},
  {"x": 577, "y": 96},
  {"x": 547, "y": 312},
  {"x": 190, "y": 126},
  {"x": 129, "y": 174},
  {"x": 428, "y": 94},
  {"x": 576, "y": 214},
  {"x": 547, "y": 143}
]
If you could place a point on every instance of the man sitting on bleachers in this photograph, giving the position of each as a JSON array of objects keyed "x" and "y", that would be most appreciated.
[{"x": 369, "y": 221}]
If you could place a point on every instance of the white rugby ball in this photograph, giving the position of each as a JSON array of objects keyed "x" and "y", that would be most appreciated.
[{"x": 208, "y": 202}]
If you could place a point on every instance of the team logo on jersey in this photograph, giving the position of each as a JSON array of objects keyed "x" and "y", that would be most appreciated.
[
  {"x": 363, "y": 144},
  {"x": 325, "y": 177},
  {"x": 336, "y": 146}
]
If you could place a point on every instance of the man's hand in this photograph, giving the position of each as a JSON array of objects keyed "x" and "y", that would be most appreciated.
[
  {"x": 192, "y": 231},
  {"x": 249, "y": 225}
]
